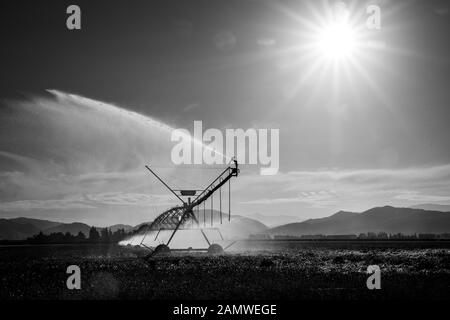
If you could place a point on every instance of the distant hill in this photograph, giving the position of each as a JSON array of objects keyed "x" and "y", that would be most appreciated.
[
  {"x": 11, "y": 230},
  {"x": 433, "y": 207},
  {"x": 273, "y": 220},
  {"x": 382, "y": 219},
  {"x": 22, "y": 228},
  {"x": 241, "y": 227},
  {"x": 238, "y": 227},
  {"x": 116, "y": 227},
  {"x": 38, "y": 223}
]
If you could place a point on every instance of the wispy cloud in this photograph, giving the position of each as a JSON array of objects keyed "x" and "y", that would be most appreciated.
[
  {"x": 89, "y": 201},
  {"x": 319, "y": 199},
  {"x": 415, "y": 196},
  {"x": 343, "y": 188},
  {"x": 27, "y": 205}
]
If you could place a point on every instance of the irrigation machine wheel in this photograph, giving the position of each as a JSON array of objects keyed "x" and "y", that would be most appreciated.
[
  {"x": 161, "y": 249},
  {"x": 215, "y": 249}
]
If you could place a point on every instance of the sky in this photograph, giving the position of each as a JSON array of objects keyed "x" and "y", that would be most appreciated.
[{"x": 83, "y": 111}]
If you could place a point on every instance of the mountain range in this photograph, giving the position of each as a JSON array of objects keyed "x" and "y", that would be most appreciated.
[
  {"x": 22, "y": 228},
  {"x": 381, "y": 219},
  {"x": 273, "y": 221},
  {"x": 433, "y": 207}
]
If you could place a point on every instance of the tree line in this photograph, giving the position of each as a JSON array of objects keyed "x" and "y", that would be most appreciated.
[
  {"x": 105, "y": 235},
  {"x": 361, "y": 236}
]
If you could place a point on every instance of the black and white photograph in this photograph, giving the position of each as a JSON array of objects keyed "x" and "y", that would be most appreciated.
[{"x": 225, "y": 159}]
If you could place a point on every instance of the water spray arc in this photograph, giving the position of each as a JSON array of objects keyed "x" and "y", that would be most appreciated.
[{"x": 183, "y": 217}]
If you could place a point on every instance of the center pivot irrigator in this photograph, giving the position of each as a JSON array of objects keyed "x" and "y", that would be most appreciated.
[{"x": 189, "y": 214}]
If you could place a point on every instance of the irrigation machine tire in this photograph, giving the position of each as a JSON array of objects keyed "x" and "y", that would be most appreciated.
[
  {"x": 215, "y": 249},
  {"x": 161, "y": 249}
]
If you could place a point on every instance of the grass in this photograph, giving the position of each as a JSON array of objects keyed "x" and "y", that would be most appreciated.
[{"x": 113, "y": 272}]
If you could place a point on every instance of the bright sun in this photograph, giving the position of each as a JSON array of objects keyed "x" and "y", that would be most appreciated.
[
  {"x": 331, "y": 48},
  {"x": 336, "y": 41}
]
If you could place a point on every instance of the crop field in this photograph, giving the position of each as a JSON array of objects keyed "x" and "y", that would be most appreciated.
[{"x": 252, "y": 270}]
